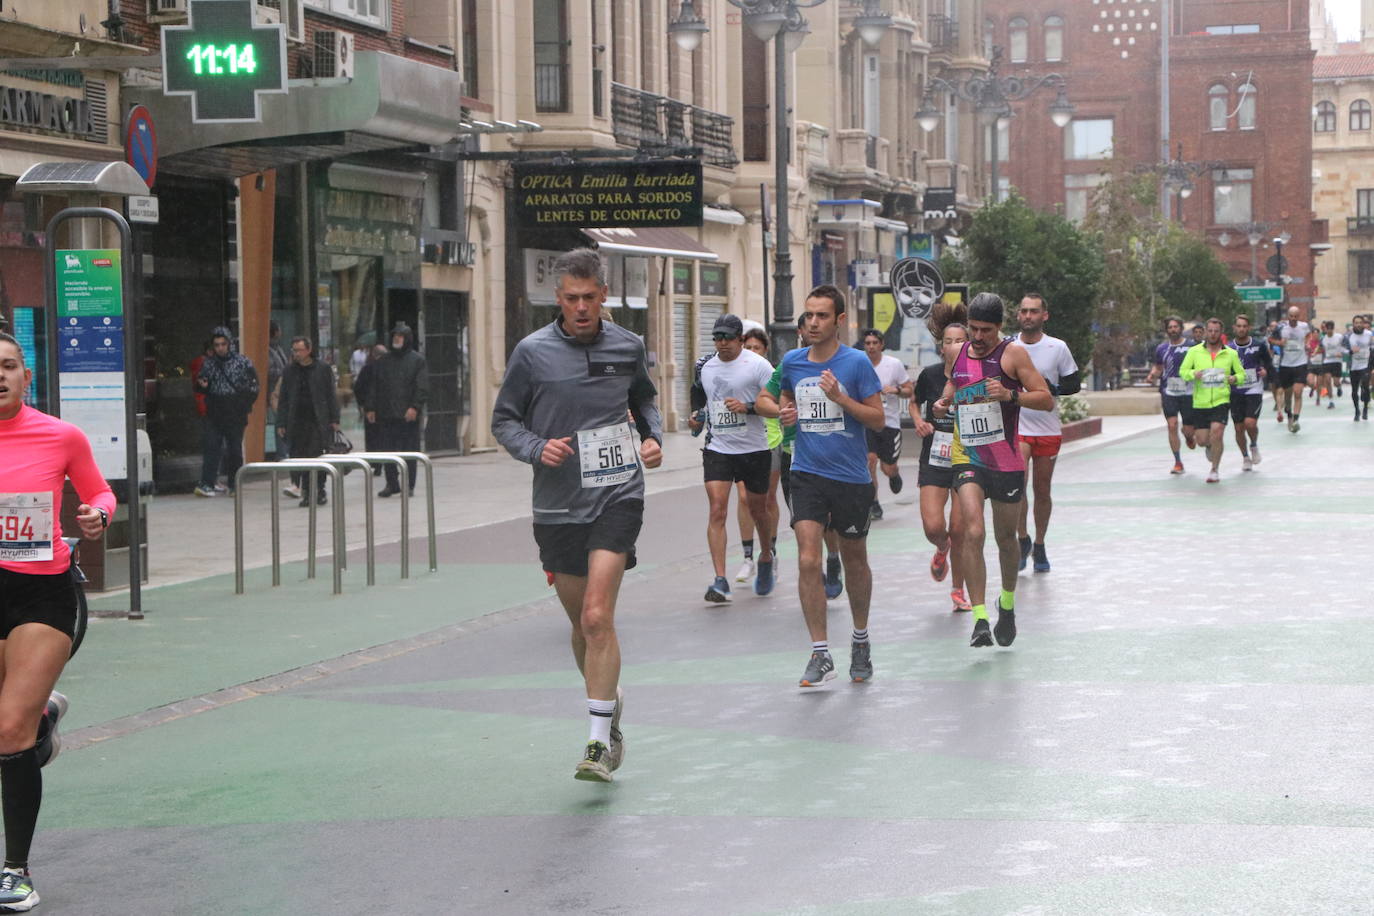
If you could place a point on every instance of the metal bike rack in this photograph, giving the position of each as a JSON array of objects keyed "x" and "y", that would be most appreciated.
[
  {"x": 400, "y": 458},
  {"x": 341, "y": 462},
  {"x": 274, "y": 469}
]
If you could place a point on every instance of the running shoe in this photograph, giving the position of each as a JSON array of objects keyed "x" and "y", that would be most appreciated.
[
  {"x": 819, "y": 669},
  {"x": 221, "y": 488},
  {"x": 49, "y": 743},
  {"x": 1330, "y": 405},
  {"x": 1293, "y": 424},
  {"x": 1025, "y": 552},
  {"x": 860, "y": 662},
  {"x": 1213, "y": 476},
  {"x": 1246, "y": 464},
  {"x": 982, "y": 634},
  {"x": 1177, "y": 469},
  {"x": 833, "y": 584},
  {"x": 1042, "y": 562},
  {"x": 1005, "y": 631},
  {"x": 960, "y": 600},
  {"x": 763, "y": 585},
  {"x": 875, "y": 511},
  {"x": 1254, "y": 454},
  {"x": 894, "y": 483},
  {"x": 205, "y": 491},
  {"x": 617, "y": 746},
  {"x": 292, "y": 491},
  {"x": 719, "y": 592},
  {"x": 595, "y": 764},
  {"x": 17, "y": 894},
  {"x": 746, "y": 571},
  {"x": 939, "y": 565}
]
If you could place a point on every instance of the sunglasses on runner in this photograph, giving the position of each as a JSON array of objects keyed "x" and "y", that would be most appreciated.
[{"x": 723, "y": 335}]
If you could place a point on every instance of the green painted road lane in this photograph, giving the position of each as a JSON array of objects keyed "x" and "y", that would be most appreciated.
[{"x": 1182, "y": 726}]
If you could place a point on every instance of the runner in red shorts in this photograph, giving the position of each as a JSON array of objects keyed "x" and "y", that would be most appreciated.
[{"x": 1040, "y": 434}]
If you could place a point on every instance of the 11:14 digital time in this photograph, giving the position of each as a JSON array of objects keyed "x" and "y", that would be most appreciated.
[{"x": 214, "y": 60}]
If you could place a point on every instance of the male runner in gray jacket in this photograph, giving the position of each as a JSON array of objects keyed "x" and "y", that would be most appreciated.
[{"x": 565, "y": 406}]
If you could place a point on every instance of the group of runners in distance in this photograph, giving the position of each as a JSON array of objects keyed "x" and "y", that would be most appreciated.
[
  {"x": 1204, "y": 385},
  {"x": 824, "y": 426}
]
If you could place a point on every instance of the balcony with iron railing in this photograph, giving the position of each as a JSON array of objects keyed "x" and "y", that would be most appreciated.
[
  {"x": 654, "y": 123},
  {"x": 943, "y": 32}
]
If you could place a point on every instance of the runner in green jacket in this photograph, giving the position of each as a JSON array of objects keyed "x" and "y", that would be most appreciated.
[{"x": 1213, "y": 368}]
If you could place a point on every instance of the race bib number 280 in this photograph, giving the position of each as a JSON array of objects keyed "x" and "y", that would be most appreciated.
[
  {"x": 607, "y": 455},
  {"x": 26, "y": 527}
]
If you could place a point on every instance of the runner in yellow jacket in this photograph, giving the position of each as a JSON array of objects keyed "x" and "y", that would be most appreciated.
[{"x": 1213, "y": 368}]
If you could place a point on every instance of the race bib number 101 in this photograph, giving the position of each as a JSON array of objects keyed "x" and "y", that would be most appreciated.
[{"x": 26, "y": 527}]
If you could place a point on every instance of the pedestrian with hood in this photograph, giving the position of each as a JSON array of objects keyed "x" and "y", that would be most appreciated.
[
  {"x": 230, "y": 384},
  {"x": 397, "y": 391}
]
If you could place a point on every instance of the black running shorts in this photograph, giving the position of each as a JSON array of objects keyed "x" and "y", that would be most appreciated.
[
  {"x": 1246, "y": 406},
  {"x": 564, "y": 548},
  {"x": 1204, "y": 417},
  {"x": 836, "y": 504},
  {"x": 1173, "y": 405},
  {"x": 887, "y": 444},
  {"x": 1336, "y": 370},
  {"x": 45, "y": 599},
  {"x": 931, "y": 476},
  {"x": 751, "y": 468},
  {"x": 1292, "y": 375},
  {"x": 999, "y": 486}
]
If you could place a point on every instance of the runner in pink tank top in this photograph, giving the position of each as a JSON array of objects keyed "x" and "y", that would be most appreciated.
[{"x": 991, "y": 379}]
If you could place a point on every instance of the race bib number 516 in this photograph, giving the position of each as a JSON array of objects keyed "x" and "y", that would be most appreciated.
[
  {"x": 26, "y": 527},
  {"x": 608, "y": 455}
]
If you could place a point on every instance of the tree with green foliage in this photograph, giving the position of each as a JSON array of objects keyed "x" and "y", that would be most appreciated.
[{"x": 1012, "y": 249}]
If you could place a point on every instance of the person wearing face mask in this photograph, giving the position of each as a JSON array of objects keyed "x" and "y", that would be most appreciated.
[
  {"x": 397, "y": 393},
  {"x": 936, "y": 478}
]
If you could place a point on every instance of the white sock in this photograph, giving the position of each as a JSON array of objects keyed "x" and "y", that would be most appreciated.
[
  {"x": 600, "y": 712},
  {"x": 861, "y": 635},
  {"x": 822, "y": 646}
]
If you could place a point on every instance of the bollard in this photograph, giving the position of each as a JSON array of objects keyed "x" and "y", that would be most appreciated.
[
  {"x": 271, "y": 469},
  {"x": 342, "y": 461}
]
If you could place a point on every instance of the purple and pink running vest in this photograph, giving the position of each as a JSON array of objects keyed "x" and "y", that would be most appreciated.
[{"x": 984, "y": 428}]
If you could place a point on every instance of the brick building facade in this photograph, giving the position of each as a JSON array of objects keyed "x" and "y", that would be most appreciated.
[{"x": 1240, "y": 93}]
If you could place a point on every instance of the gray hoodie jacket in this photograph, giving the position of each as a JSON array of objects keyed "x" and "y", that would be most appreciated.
[{"x": 556, "y": 386}]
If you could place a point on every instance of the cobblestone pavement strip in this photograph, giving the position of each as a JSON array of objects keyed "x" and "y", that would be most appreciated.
[{"x": 1182, "y": 726}]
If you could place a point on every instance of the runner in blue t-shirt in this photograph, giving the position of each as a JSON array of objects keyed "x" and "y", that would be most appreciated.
[
  {"x": 1175, "y": 394},
  {"x": 830, "y": 392}
]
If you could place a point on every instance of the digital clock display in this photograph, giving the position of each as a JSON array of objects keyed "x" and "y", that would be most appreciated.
[{"x": 217, "y": 60}]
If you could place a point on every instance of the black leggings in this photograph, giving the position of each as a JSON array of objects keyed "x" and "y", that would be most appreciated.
[{"x": 1359, "y": 387}]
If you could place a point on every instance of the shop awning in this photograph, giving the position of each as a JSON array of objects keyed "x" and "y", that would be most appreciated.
[
  {"x": 390, "y": 102},
  {"x": 663, "y": 243}
]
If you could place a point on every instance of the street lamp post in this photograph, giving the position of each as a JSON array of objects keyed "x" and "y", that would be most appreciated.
[
  {"x": 782, "y": 22},
  {"x": 1177, "y": 176},
  {"x": 1254, "y": 233},
  {"x": 992, "y": 96}
]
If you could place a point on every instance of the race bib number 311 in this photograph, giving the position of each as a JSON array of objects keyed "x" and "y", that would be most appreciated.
[
  {"x": 26, "y": 527},
  {"x": 816, "y": 413},
  {"x": 608, "y": 455}
]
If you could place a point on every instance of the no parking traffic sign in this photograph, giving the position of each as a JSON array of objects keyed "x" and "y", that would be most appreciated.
[{"x": 140, "y": 143}]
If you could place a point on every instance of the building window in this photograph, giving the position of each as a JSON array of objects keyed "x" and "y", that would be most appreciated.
[
  {"x": 470, "y": 83},
  {"x": 1054, "y": 38},
  {"x": 755, "y": 83},
  {"x": 1325, "y": 121},
  {"x": 1078, "y": 193},
  {"x": 988, "y": 27},
  {"x": 1364, "y": 269},
  {"x": 1089, "y": 138},
  {"x": 1248, "y": 28},
  {"x": 1018, "y": 36},
  {"x": 370, "y": 12},
  {"x": 1364, "y": 204},
  {"x": 550, "y": 55},
  {"x": 1218, "y": 101},
  {"x": 1359, "y": 115},
  {"x": 1233, "y": 206},
  {"x": 1245, "y": 114}
]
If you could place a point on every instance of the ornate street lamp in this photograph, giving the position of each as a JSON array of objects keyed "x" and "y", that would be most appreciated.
[
  {"x": 1177, "y": 177},
  {"x": 992, "y": 96},
  {"x": 1253, "y": 233},
  {"x": 780, "y": 21}
]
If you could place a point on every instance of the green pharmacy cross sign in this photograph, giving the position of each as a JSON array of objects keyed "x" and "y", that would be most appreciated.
[{"x": 223, "y": 60}]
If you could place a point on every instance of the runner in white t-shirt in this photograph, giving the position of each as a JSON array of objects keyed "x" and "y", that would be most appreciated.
[
  {"x": 1358, "y": 342},
  {"x": 1040, "y": 433},
  {"x": 736, "y": 449},
  {"x": 1291, "y": 338},
  {"x": 885, "y": 447}
]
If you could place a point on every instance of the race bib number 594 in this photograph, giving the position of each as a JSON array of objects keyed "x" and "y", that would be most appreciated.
[{"x": 26, "y": 527}]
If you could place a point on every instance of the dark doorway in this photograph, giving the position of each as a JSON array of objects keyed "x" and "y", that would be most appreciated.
[{"x": 446, "y": 354}]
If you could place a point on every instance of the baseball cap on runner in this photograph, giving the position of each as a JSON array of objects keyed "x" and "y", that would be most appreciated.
[{"x": 728, "y": 324}]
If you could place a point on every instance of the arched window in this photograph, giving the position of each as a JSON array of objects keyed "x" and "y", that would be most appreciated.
[
  {"x": 1218, "y": 103},
  {"x": 1359, "y": 115},
  {"x": 1054, "y": 38},
  {"x": 1018, "y": 37},
  {"x": 1245, "y": 114},
  {"x": 988, "y": 28},
  {"x": 1325, "y": 120}
]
